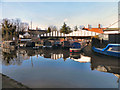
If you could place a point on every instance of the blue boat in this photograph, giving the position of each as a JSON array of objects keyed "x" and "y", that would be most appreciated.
[
  {"x": 110, "y": 50},
  {"x": 76, "y": 47}
]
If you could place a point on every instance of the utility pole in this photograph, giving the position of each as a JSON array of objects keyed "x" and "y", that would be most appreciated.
[
  {"x": 118, "y": 14},
  {"x": 31, "y": 24}
]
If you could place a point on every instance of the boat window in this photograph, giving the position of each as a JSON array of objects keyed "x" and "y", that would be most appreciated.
[
  {"x": 12, "y": 43},
  {"x": 115, "y": 48},
  {"x": 38, "y": 42},
  {"x": 57, "y": 42}
]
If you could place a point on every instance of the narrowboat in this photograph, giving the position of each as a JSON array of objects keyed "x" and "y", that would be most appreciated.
[
  {"x": 110, "y": 50},
  {"x": 65, "y": 44},
  {"x": 47, "y": 44},
  {"x": 75, "y": 47},
  {"x": 0, "y": 43},
  {"x": 57, "y": 44}
]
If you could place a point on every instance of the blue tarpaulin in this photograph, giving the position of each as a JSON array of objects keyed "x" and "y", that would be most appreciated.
[{"x": 76, "y": 45}]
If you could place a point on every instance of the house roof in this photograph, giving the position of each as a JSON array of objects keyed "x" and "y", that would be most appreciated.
[
  {"x": 37, "y": 31},
  {"x": 97, "y": 30},
  {"x": 112, "y": 31}
]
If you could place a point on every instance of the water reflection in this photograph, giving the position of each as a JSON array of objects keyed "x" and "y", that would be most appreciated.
[
  {"x": 80, "y": 58},
  {"x": 109, "y": 65},
  {"x": 17, "y": 56},
  {"x": 10, "y": 57},
  {"x": 77, "y": 69}
]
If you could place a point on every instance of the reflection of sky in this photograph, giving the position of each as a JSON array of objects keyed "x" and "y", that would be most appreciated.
[
  {"x": 44, "y": 14},
  {"x": 45, "y": 72}
]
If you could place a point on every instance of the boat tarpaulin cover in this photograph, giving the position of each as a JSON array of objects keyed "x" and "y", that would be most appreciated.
[{"x": 76, "y": 45}]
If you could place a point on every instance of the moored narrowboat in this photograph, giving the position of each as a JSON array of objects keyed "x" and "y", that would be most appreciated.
[
  {"x": 66, "y": 44},
  {"x": 56, "y": 44},
  {"x": 110, "y": 50},
  {"x": 47, "y": 44},
  {"x": 76, "y": 47}
]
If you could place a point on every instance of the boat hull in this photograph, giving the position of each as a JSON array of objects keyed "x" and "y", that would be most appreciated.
[
  {"x": 75, "y": 50},
  {"x": 109, "y": 53}
]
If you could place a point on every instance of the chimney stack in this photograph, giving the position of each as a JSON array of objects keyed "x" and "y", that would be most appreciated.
[
  {"x": 99, "y": 26},
  {"x": 88, "y": 26},
  {"x": 36, "y": 28}
]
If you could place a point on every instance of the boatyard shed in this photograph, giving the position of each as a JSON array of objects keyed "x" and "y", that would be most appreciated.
[{"x": 113, "y": 35}]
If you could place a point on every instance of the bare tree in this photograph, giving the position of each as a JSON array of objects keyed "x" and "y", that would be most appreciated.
[
  {"x": 53, "y": 28},
  {"x": 21, "y": 27},
  {"x": 11, "y": 28},
  {"x": 82, "y": 27}
]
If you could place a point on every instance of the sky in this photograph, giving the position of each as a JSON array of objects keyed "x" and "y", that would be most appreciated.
[{"x": 44, "y": 14}]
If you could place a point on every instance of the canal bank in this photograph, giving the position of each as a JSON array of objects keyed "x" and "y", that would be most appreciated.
[{"x": 7, "y": 82}]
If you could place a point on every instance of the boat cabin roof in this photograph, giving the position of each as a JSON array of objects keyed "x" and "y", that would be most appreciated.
[
  {"x": 76, "y": 45},
  {"x": 9, "y": 41},
  {"x": 113, "y": 45}
]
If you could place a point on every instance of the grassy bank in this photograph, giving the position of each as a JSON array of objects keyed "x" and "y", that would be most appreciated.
[{"x": 7, "y": 82}]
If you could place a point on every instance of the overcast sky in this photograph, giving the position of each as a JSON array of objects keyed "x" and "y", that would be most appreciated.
[{"x": 44, "y": 14}]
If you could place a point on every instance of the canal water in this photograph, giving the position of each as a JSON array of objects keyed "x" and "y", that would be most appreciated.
[{"x": 57, "y": 68}]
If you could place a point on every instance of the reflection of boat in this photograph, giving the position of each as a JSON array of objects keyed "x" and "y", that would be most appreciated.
[
  {"x": 80, "y": 58},
  {"x": 106, "y": 64},
  {"x": 110, "y": 65},
  {"x": 75, "y": 55},
  {"x": 111, "y": 50},
  {"x": 47, "y": 46},
  {"x": 0, "y": 43},
  {"x": 76, "y": 47}
]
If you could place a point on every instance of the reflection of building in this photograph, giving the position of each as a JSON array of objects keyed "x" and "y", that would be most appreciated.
[
  {"x": 56, "y": 56},
  {"x": 52, "y": 56},
  {"x": 80, "y": 58},
  {"x": 16, "y": 57},
  {"x": 55, "y": 53},
  {"x": 22, "y": 54}
]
